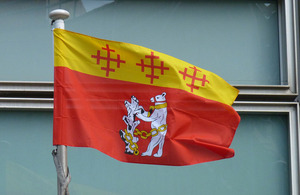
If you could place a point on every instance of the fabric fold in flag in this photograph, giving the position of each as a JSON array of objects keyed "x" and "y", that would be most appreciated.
[{"x": 138, "y": 105}]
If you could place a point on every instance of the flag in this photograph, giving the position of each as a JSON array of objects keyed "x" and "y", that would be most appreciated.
[{"x": 138, "y": 105}]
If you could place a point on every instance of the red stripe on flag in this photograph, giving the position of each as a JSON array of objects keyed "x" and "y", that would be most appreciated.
[{"x": 89, "y": 112}]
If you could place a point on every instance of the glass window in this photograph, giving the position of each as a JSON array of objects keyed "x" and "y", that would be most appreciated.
[
  {"x": 26, "y": 162},
  {"x": 261, "y": 165},
  {"x": 238, "y": 40}
]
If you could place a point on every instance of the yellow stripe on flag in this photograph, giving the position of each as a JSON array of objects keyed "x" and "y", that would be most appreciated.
[{"x": 133, "y": 63}]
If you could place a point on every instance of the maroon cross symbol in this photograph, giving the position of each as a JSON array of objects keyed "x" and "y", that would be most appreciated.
[
  {"x": 194, "y": 78},
  {"x": 108, "y": 59},
  {"x": 161, "y": 67}
]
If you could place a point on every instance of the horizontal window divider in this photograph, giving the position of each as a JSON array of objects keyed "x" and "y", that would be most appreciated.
[
  {"x": 31, "y": 89},
  {"x": 267, "y": 97},
  {"x": 26, "y": 86},
  {"x": 264, "y": 89},
  {"x": 265, "y": 93},
  {"x": 26, "y": 104},
  {"x": 240, "y": 106},
  {"x": 265, "y": 107}
]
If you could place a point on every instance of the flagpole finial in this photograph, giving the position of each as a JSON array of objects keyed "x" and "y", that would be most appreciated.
[{"x": 59, "y": 14}]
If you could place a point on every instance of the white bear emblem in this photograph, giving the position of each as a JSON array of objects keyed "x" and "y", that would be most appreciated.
[{"x": 157, "y": 115}]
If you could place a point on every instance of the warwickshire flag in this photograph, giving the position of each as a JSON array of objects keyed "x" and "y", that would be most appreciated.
[{"x": 139, "y": 105}]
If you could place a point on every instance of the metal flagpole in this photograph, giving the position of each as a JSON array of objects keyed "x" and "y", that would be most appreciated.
[{"x": 60, "y": 153}]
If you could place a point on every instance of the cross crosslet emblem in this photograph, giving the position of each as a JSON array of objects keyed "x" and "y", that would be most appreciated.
[
  {"x": 151, "y": 64},
  {"x": 108, "y": 59},
  {"x": 152, "y": 67},
  {"x": 194, "y": 78}
]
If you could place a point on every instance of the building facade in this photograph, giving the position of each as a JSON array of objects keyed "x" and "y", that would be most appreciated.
[{"x": 253, "y": 45}]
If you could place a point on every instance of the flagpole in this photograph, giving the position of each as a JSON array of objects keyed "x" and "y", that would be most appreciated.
[{"x": 60, "y": 153}]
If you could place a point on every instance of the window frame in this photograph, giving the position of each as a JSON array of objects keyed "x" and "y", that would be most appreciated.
[
  {"x": 289, "y": 52},
  {"x": 292, "y": 110}
]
